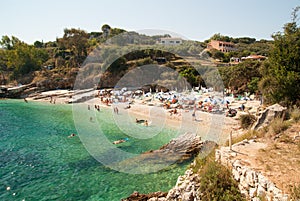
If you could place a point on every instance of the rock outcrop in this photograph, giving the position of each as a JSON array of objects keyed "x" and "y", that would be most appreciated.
[
  {"x": 179, "y": 149},
  {"x": 183, "y": 147},
  {"x": 251, "y": 183},
  {"x": 157, "y": 196},
  {"x": 269, "y": 114},
  {"x": 184, "y": 190}
]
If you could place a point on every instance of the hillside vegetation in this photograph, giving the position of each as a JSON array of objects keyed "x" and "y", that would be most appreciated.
[{"x": 111, "y": 53}]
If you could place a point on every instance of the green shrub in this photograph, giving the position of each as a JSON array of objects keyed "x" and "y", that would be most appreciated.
[
  {"x": 217, "y": 183},
  {"x": 246, "y": 120}
]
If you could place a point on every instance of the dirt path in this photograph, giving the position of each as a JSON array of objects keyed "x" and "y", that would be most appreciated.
[{"x": 278, "y": 159}]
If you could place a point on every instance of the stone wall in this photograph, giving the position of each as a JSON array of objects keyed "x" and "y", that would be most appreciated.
[{"x": 251, "y": 183}]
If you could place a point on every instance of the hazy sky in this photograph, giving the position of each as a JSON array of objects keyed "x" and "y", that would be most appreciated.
[{"x": 32, "y": 20}]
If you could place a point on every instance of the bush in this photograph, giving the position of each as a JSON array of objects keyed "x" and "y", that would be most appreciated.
[
  {"x": 295, "y": 114},
  {"x": 217, "y": 183},
  {"x": 246, "y": 120},
  {"x": 279, "y": 126}
]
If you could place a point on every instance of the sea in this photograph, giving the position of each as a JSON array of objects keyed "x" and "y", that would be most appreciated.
[{"x": 38, "y": 161}]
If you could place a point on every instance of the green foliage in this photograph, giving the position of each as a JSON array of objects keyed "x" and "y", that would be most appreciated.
[
  {"x": 191, "y": 75},
  {"x": 22, "y": 58},
  {"x": 220, "y": 37},
  {"x": 217, "y": 183},
  {"x": 38, "y": 44},
  {"x": 241, "y": 76},
  {"x": 9, "y": 43},
  {"x": 246, "y": 120},
  {"x": 281, "y": 74},
  {"x": 253, "y": 85},
  {"x": 216, "y": 54},
  {"x": 73, "y": 47}
]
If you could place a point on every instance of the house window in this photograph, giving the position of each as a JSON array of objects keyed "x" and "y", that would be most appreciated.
[{"x": 177, "y": 41}]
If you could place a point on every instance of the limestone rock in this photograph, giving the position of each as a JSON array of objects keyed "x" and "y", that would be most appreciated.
[
  {"x": 261, "y": 192},
  {"x": 268, "y": 115},
  {"x": 136, "y": 196}
]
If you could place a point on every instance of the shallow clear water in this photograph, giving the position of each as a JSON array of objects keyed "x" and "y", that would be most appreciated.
[{"x": 39, "y": 162}]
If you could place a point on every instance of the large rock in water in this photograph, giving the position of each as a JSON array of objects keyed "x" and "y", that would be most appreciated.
[
  {"x": 268, "y": 115},
  {"x": 177, "y": 150}
]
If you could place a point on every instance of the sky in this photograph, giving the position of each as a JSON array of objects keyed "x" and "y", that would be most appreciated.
[{"x": 45, "y": 20}]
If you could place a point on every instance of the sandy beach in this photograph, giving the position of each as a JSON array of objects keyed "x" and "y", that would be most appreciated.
[{"x": 208, "y": 125}]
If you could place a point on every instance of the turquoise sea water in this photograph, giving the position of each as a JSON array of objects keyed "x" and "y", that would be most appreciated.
[{"x": 39, "y": 162}]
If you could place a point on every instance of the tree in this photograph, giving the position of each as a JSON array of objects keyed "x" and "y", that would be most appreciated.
[
  {"x": 22, "y": 58},
  {"x": 73, "y": 47},
  {"x": 281, "y": 74},
  {"x": 38, "y": 44},
  {"x": 105, "y": 29},
  {"x": 216, "y": 54},
  {"x": 9, "y": 43},
  {"x": 242, "y": 77}
]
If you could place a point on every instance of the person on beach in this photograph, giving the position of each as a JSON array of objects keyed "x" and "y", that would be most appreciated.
[
  {"x": 25, "y": 100},
  {"x": 194, "y": 116},
  {"x": 242, "y": 107},
  {"x": 231, "y": 113},
  {"x": 194, "y": 113},
  {"x": 89, "y": 107},
  {"x": 139, "y": 121},
  {"x": 116, "y": 110}
]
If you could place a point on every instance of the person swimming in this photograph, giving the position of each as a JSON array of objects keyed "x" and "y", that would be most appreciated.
[
  {"x": 120, "y": 141},
  {"x": 146, "y": 123},
  {"x": 72, "y": 135}
]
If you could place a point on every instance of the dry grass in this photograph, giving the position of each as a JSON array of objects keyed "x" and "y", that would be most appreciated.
[
  {"x": 277, "y": 126},
  {"x": 280, "y": 159},
  {"x": 247, "y": 120},
  {"x": 295, "y": 114},
  {"x": 251, "y": 134}
]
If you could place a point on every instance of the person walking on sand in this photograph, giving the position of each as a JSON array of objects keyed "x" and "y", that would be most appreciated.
[{"x": 194, "y": 113}]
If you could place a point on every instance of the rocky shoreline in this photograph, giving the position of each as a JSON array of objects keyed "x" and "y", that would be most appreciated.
[{"x": 252, "y": 184}]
